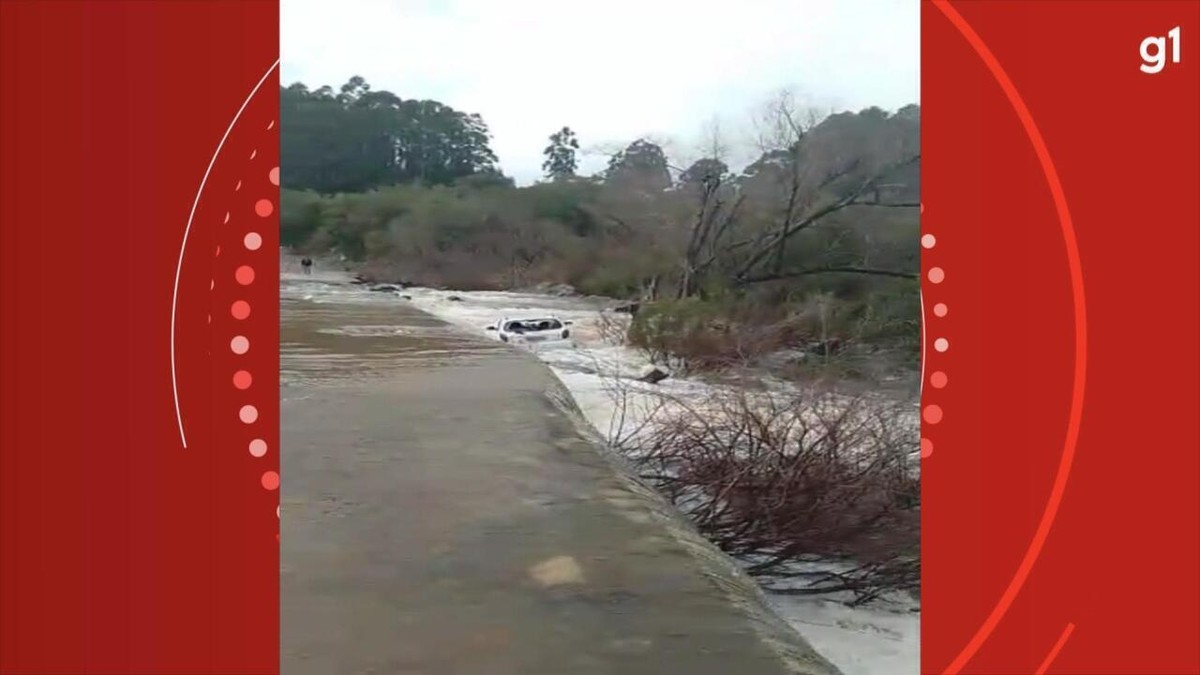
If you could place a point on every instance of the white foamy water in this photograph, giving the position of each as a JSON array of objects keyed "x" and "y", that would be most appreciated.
[{"x": 873, "y": 640}]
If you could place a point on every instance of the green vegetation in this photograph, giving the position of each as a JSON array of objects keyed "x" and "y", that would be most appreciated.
[{"x": 816, "y": 240}]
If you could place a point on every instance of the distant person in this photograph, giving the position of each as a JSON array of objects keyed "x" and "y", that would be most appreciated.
[{"x": 307, "y": 264}]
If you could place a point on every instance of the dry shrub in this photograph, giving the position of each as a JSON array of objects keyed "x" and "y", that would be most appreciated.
[
  {"x": 613, "y": 328},
  {"x": 695, "y": 336},
  {"x": 815, "y": 493}
]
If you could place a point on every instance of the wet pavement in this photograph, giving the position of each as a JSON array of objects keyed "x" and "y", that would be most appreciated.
[{"x": 445, "y": 512}]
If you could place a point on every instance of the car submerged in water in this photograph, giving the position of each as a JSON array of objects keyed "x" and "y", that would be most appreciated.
[{"x": 531, "y": 331}]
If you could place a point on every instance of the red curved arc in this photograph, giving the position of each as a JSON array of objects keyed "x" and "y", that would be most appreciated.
[
  {"x": 1053, "y": 653},
  {"x": 1080, "y": 315}
]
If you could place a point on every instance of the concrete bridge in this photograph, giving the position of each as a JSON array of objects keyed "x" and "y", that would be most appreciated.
[{"x": 445, "y": 512}]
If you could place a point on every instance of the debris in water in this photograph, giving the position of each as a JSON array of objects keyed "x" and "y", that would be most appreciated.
[{"x": 653, "y": 375}]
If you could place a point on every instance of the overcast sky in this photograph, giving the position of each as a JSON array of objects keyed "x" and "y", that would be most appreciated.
[{"x": 612, "y": 70}]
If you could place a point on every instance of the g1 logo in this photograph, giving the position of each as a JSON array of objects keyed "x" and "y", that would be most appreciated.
[{"x": 1154, "y": 51}]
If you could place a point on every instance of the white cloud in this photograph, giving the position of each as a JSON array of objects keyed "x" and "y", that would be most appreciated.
[{"x": 613, "y": 70}]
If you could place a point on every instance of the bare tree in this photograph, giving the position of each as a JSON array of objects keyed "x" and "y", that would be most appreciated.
[
  {"x": 813, "y": 492},
  {"x": 820, "y": 177},
  {"x": 707, "y": 184},
  {"x": 805, "y": 174},
  {"x": 812, "y": 166},
  {"x": 782, "y": 121}
]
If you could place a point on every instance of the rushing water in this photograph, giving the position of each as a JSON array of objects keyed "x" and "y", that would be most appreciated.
[{"x": 350, "y": 331}]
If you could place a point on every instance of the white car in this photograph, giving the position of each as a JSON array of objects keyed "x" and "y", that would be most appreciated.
[{"x": 538, "y": 329}]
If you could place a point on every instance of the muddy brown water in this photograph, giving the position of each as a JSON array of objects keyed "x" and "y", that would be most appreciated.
[{"x": 444, "y": 512}]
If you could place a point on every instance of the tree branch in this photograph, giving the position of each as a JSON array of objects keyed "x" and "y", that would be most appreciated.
[
  {"x": 828, "y": 270},
  {"x": 882, "y": 205},
  {"x": 789, "y": 229}
]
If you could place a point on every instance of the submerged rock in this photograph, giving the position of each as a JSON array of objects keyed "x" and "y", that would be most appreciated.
[
  {"x": 653, "y": 375},
  {"x": 561, "y": 290},
  {"x": 782, "y": 359},
  {"x": 631, "y": 308},
  {"x": 826, "y": 347}
]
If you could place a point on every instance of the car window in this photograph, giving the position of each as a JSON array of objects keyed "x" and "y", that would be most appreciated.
[{"x": 533, "y": 324}]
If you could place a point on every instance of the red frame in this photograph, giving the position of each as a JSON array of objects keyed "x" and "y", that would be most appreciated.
[
  {"x": 1061, "y": 486},
  {"x": 122, "y": 552}
]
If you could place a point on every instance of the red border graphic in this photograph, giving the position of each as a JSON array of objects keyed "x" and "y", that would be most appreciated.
[
  {"x": 1060, "y": 284},
  {"x": 137, "y": 258},
  {"x": 138, "y": 240}
]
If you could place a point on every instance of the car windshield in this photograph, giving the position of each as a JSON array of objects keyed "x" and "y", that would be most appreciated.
[{"x": 532, "y": 324}]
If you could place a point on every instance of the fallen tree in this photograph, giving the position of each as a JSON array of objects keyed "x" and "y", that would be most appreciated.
[{"x": 814, "y": 493}]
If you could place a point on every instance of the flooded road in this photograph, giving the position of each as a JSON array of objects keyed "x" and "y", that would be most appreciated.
[
  {"x": 444, "y": 512},
  {"x": 330, "y": 343}
]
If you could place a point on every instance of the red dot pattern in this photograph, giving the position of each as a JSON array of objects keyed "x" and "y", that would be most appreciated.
[
  {"x": 932, "y": 413},
  {"x": 244, "y": 275}
]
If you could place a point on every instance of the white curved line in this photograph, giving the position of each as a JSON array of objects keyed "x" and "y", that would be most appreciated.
[
  {"x": 187, "y": 230},
  {"x": 924, "y": 347}
]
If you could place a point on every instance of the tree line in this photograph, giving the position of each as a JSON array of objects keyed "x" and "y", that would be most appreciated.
[
  {"x": 412, "y": 191},
  {"x": 357, "y": 139}
]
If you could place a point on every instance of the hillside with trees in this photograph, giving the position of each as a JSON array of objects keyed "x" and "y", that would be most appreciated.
[{"x": 814, "y": 240}]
